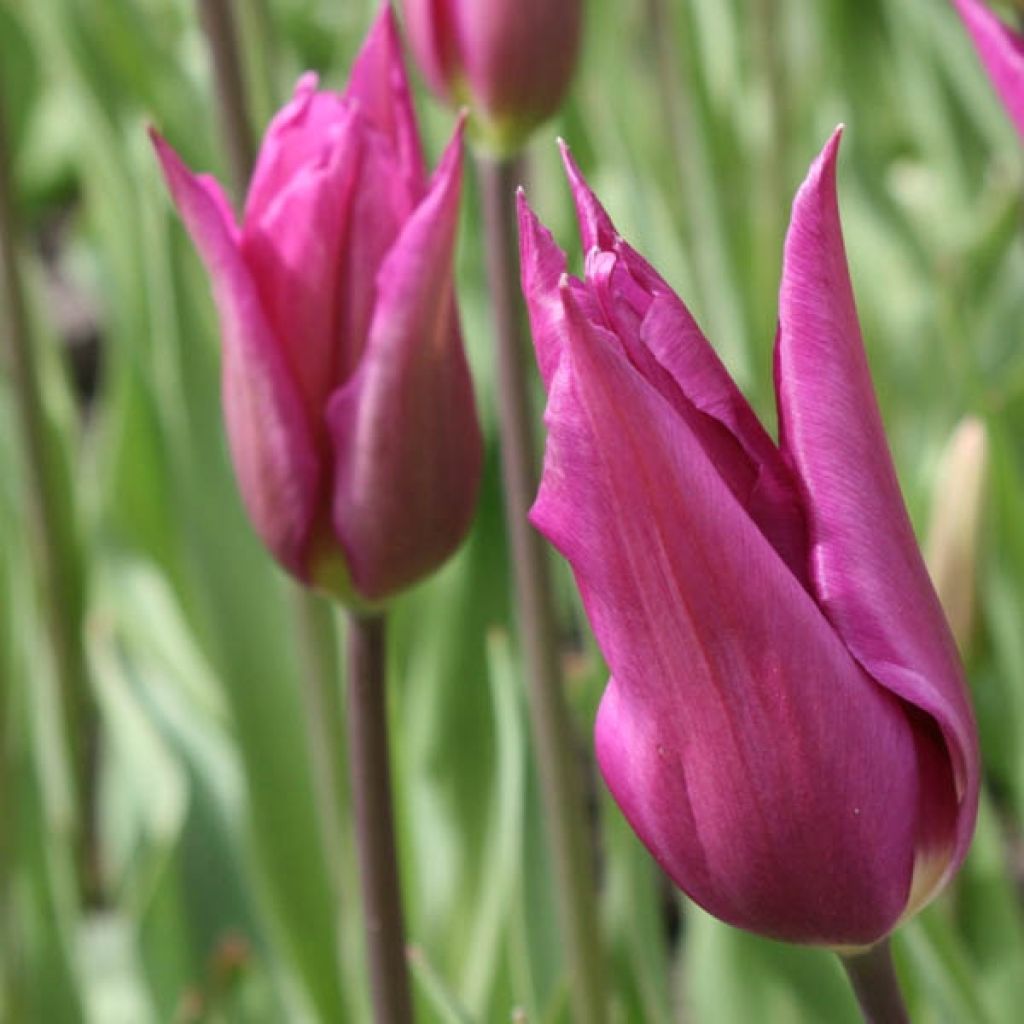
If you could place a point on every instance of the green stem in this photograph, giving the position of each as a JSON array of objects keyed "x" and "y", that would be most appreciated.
[
  {"x": 873, "y": 977},
  {"x": 560, "y": 781},
  {"x": 370, "y": 771},
  {"x": 56, "y": 548}
]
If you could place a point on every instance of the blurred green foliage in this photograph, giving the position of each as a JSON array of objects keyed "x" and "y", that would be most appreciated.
[{"x": 228, "y": 899}]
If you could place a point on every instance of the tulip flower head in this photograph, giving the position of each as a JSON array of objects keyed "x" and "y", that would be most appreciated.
[
  {"x": 347, "y": 398},
  {"x": 787, "y": 726},
  {"x": 509, "y": 61},
  {"x": 1001, "y": 50}
]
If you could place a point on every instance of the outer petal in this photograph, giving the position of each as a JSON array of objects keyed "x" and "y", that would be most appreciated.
[
  {"x": 1001, "y": 51},
  {"x": 767, "y": 774},
  {"x": 277, "y": 469},
  {"x": 542, "y": 266},
  {"x": 294, "y": 251},
  {"x": 378, "y": 83},
  {"x": 866, "y": 569},
  {"x": 406, "y": 438}
]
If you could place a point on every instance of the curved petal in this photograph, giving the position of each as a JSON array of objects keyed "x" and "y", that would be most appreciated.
[
  {"x": 866, "y": 568},
  {"x": 1001, "y": 51},
  {"x": 542, "y": 265},
  {"x": 430, "y": 28},
  {"x": 379, "y": 84},
  {"x": 274, "y": 458},
  {"x": 769, "y": 776},
  {"x": 407, "y": 443},
  {"x": 302, "y": 132},
  {"x": 294, "y": 250}
]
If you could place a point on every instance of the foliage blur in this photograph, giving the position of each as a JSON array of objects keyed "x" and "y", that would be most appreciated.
[{"x": 230, "y": 892}]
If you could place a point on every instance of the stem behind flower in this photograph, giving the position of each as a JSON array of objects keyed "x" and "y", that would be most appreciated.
[
  {"x": 552, "y": 730},
  {"x": 370, "y": 770},
  {"x": 873, "y": 977}
]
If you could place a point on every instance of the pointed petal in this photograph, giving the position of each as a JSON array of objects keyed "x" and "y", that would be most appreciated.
[
  {"x": 1001, "y": 51},
  {"x": 277, "y": 470},
  {"x": 542, "y": 265},
  {"x": 406, "y": 439},
  {"x": 295, "y": 253},
  {"x": 380, "y": 85},
  {"x": 866, "y": 568},
  {"x": 767, "y": 774},
  {"x": 596, "y": 228}
]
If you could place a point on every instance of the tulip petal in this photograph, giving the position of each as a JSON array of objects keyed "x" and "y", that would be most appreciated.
[
  {"x": 302, "y": 132},
  {"x": 273, "y": 454},
  {"x": 406, "y": 439},
  {"x": 294, "y": 251},
  {"x": 866, "y": 567},
  {"x": 379, "y": 84},
  {"x": 769, "y": 776},
  {"x": 542, "y": 266},
  {"x": 1001, "y": 51},
  {"x": 430, "y": 27}
]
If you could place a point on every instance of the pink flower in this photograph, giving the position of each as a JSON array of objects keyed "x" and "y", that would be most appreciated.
[
  {"x": 787, "y": 726},
  {"x": 1001, "y": 51},
  {"x": 509, "y": 61},
  {"x": 348, "y": 402}
]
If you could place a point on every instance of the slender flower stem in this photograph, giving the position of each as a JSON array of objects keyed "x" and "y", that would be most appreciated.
[
  {"x": 873, "y": 977},
  {"x": 57, "y": 553},
  {"x": 221, "y": 31},
  {"x": 369, "y": 767},
  {"x": 561, "y": 785}
]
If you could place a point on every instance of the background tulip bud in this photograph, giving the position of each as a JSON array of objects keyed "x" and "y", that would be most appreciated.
[
  {"x": 347, "y": 397},
  {"x": 958, "y": 503},
  {"x": 509, "y": 61}
]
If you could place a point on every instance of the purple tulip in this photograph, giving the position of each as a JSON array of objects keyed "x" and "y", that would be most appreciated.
[
  {"x": 787, "y": 726},
  {"x": 509, "y": 61},
  {"x": 1001, "y": 51},
  {"x": 347, "y": 397}
]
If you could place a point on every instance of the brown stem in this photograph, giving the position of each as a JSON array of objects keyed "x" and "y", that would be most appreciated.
[
  {"x": 222, "y": 37},
  {"x": 56, "y": 549},
  {"x": 370, "y": 771},
  {"x": 560, "y": 781},
  {"x": 873, "y": 977}
]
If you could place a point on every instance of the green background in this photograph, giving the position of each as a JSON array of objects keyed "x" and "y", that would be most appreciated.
[{"x": 232, "y": 897}]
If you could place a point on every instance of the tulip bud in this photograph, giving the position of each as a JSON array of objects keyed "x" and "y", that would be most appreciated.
[
  {"x": 347, "y": 398},
  {"x": 509, "y": 61},
  {"x": 955, "y": 528},
  {"x": 787, "y": 726}
]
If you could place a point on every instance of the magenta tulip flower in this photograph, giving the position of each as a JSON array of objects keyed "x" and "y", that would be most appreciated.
[
  {"x": 509, "y": 61},
  {"x": 347, "y": 397},
  {"x": 1002, "y": 53},
  {"x": 787, "y": 726}
]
